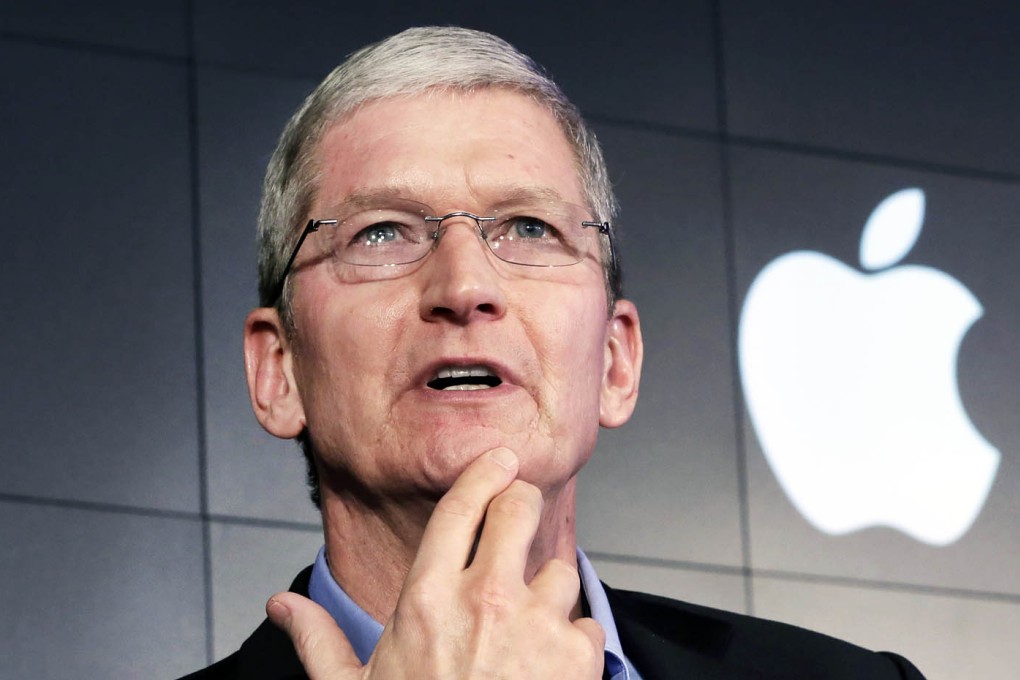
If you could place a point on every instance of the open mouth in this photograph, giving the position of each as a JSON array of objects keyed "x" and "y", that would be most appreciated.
[{"x": 464, "y": 378}]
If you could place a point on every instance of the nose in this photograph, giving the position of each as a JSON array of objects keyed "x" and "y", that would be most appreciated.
[{"x": 462, "y": 284}]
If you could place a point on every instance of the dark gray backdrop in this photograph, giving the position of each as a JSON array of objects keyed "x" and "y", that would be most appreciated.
[{"x": 146, "y": 517}]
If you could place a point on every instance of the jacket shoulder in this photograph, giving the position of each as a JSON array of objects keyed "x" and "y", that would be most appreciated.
[
  {"x": 266, "y": 655},
  {"x": 662, "y": 634},
  {"x": 224, "y": 669}
]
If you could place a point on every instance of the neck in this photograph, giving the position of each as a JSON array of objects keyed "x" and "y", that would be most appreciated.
[{"x": 371, "y": 549}]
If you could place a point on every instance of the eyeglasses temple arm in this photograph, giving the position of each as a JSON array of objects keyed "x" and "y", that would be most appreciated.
[
  {"x": 313, "y": 225},
  {"x": 606, "y": 230}
]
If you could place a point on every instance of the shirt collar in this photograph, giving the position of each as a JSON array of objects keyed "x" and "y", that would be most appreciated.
[
  {"x": 617, "y": 666},
  {"x": 361, "y": 629},
  {"x": 364, "y": 632}
]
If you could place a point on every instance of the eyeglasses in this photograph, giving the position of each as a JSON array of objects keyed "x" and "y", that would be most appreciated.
[{"x": 371, "y": 238}]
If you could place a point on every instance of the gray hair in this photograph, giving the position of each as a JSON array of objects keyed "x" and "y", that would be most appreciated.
[{"x": 410, "y": 63}]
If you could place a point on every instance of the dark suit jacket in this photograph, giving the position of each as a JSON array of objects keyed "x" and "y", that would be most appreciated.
[{"x": 664, "y": 639}]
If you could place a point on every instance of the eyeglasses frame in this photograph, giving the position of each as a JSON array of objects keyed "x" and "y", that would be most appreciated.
[{"x": 313, "y": 225}]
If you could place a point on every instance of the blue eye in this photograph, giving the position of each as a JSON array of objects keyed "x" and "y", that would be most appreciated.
[
  {"x": 376, "y": 234},
  {"x": 530, "y": 227}
]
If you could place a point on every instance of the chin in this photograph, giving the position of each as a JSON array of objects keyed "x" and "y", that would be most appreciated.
[
  {"x": 448, "y": 453},
  {"x": 541, "y": 463}
]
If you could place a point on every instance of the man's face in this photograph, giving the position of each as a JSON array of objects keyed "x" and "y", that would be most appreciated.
[{"x": 364, "y": 352}]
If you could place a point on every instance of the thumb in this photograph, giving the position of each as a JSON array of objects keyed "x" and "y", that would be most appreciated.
[{"x": 322, "y": 647}]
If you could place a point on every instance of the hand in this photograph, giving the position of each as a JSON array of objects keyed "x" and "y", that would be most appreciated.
[{"x": 465, "y": 622}]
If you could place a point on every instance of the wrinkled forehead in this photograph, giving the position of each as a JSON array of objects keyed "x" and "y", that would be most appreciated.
[{"x": 496, "y": 141}]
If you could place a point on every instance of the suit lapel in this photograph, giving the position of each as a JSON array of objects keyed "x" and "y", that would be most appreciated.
[{"x": 666, "y": 640}]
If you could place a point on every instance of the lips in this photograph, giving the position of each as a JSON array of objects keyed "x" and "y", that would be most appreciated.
[{"x": 475, "y": 377}]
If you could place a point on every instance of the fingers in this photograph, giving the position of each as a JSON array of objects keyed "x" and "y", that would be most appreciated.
[
  {"x": 510, "y": 525},
  {"x": 559, "y": 584},
  {"x": 455, "y": 620},
  {"x": 597, "y": 636},
  {"x": 322, "y": 647},
  {"x": 450, "y": 533}
]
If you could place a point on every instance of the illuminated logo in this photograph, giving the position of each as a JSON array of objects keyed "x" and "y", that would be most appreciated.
[{"x": 850, "y": 383}]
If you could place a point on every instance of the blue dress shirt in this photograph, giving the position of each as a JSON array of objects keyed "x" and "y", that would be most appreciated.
[{"x": 364, "y": 632}]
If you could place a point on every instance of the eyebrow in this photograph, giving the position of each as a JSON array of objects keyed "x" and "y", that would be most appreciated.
[
  {"x": 516, "y": 193},
  {"x": 527, "y": 192},
  {"x": 380, "y": 194}
]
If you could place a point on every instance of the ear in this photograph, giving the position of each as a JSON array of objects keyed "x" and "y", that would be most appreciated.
[
  {"x": 268, "y": 365},
  {"x": 621, "y": 373}
]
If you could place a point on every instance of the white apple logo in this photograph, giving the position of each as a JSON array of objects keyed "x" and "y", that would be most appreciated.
[{"x": 850, "y": 382}]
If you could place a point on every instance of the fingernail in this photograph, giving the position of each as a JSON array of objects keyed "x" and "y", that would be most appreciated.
[
  {"x": 504, "y": 458},
  {"x": 278, "y": 613}
]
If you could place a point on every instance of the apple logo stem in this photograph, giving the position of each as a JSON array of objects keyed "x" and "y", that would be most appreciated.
[{"x": 850, "y": 384}]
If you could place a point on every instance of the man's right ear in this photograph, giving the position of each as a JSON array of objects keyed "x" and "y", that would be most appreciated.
[{"x": 268, "y": 365}]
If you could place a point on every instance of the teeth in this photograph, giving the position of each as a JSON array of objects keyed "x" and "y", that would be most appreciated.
[
  {"x": 464, "y": 378},
  {"x": 464, "y": 372}
]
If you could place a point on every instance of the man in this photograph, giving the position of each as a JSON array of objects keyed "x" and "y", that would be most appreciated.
[{"x": 442, "y": 330}]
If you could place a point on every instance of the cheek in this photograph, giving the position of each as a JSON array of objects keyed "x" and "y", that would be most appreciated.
[
  {"x": 349, "y": 346},
  {"x": 570, "y": 341}
]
